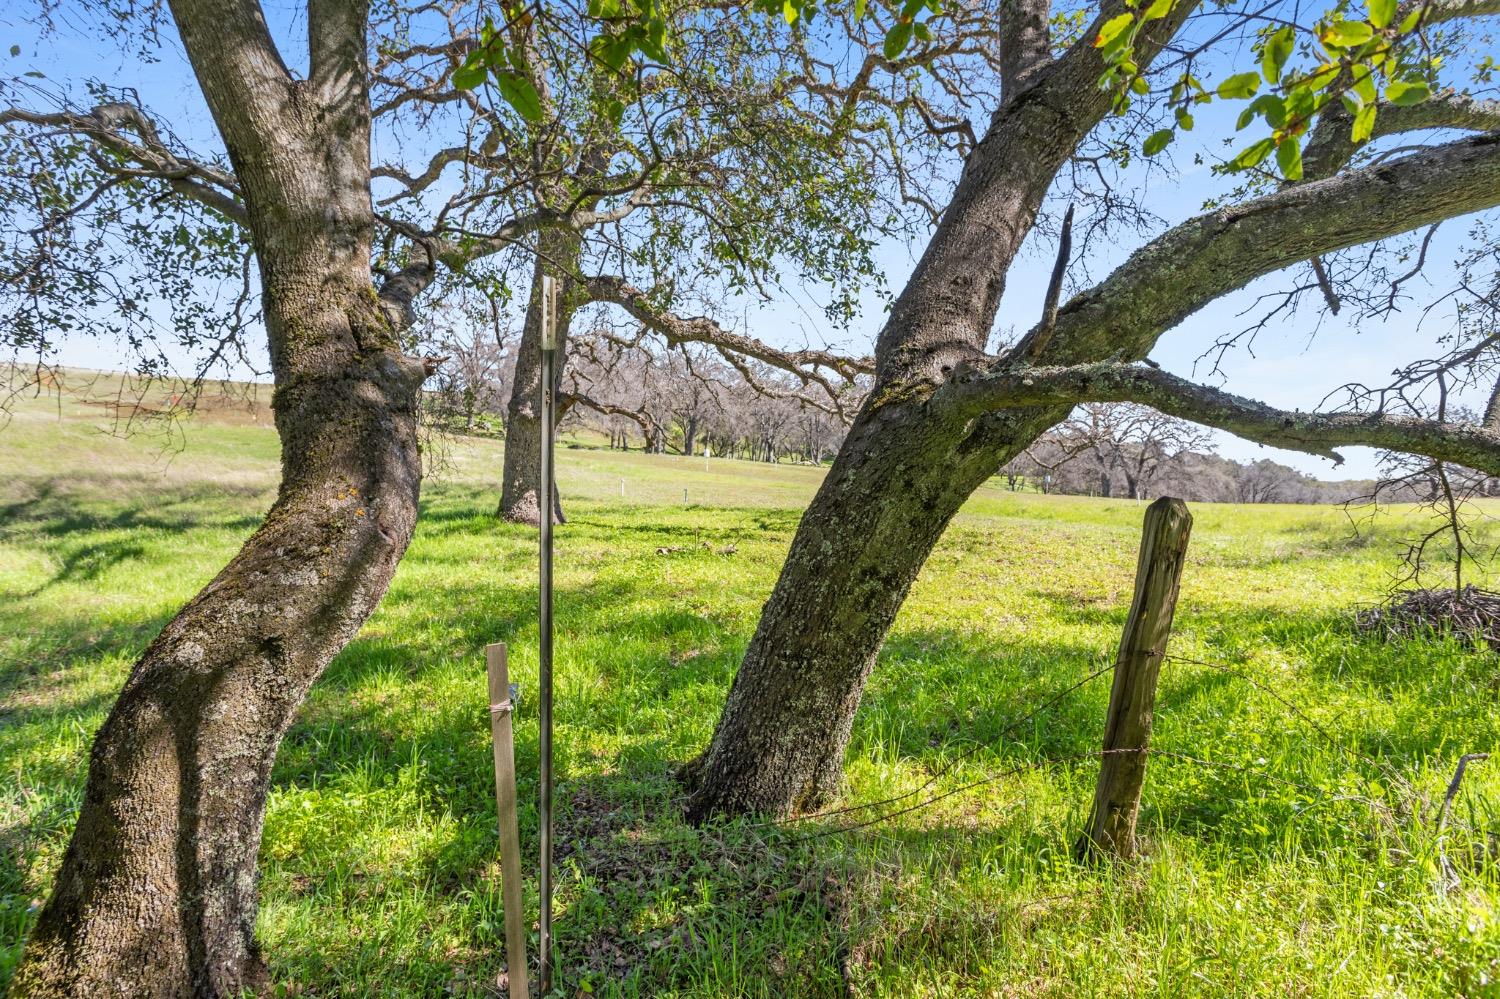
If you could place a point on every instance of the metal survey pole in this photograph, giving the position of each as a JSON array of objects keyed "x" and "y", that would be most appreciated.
[{"x": 544, "y": 672}]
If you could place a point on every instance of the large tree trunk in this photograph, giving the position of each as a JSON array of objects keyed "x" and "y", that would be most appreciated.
[
  {"x": 520, "y": 490},
  {"x": 901, "y": 473},
  {"x": 895, "y": 484},
  {"x": 157, "y": 891}
]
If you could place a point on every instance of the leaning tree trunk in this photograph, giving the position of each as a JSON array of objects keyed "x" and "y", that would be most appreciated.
[
  {"x": 157, "y": 891},
  {"x": 895, "y": 484},
  {"x": 520, "y": 490},
  {"x": 903, "y": 470}
]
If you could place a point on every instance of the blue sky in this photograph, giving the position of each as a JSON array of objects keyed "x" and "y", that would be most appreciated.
[{"x": 1289, "y": 367}]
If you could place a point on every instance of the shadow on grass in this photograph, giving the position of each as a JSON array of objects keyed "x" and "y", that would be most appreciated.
[{"x": 651, "y": 905}]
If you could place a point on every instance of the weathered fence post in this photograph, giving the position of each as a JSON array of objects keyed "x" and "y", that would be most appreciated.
[
  {"x": 502, "y": 707},
  {"x": 1127, "y": 731}
]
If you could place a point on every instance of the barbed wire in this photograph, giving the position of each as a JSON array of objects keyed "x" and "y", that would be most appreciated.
[{"x": 1404, "y": 788}]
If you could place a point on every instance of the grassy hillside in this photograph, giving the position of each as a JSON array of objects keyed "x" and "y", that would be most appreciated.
[{"x": 1288, "y": 857}]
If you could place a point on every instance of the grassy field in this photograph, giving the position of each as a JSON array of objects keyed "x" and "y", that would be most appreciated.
[{"x": 1301, "y": 859}]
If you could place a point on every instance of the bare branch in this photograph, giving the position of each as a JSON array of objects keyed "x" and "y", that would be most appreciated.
[
  {"x": 1054, "y": 286},
  {"x": 700, "y": 329},
  {"x": 1005, "y": 387}
]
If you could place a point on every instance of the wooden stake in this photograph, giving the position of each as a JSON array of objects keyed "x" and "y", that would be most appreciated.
[
  {"x": 1127, "y": 731},
  {"x": 502, "y": 707}
]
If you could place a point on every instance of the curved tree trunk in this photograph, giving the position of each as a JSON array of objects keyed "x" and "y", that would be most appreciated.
[
  {"x": 520, "y": 489},
  {"x": 902, "y": 471},
  {"x": 894, "y": 485},
  {"x": 156, "y": 894},
  {"x": 157, "y": 891}
]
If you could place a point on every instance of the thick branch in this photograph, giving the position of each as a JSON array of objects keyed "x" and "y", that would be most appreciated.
[
  {"x": 336, "y": 48},
  {"x": 1025, "y": 41},
  {"x": 1006, "y": 387},
  {"x": 1191, "y": 265},
  {"x": 1330, "y": 147},
  {"x": 243, "y": 76}
]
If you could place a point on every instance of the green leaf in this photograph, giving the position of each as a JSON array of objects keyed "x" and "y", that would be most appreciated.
[
  {"x": 470, "y": 75},
  {"x": 1184, "y": 120},
  {"x": 897, "y": 39},
  {"x": 15, "y": 50},
  {"x": 1364, "y": 124},
  {"x": 1289, "y": 159},
  {"x": 653, "y": 42},
  {"x": 1347, "y": 34},
  {"x": 1112, "y": 29},
  {"x": 1272, "y": 107},
  {"x": 1253, "y": 156},
  {"x": 612, "y": 50},
  {"x": 1157, "y": 141},
  {"x": 1278, "y": 49},
  {"x": 1241, "y": 85},
  {"x": 1382, "y": 12},
  {"x": 859, "y": 9},
  {"x": 790, "y": 11},
  {"x": 1405, "y": 93},
  {"x": 1157, "y": 10},
  {"x": 1410, "y": 21},
  {"x": 520, "y": 94}
]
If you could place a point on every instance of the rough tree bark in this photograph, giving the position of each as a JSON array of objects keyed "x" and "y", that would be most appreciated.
[
  {"x": 911, "y": 458},
  {"x": 156, "y": 895},
  {"x": 520, "y": 490},
  {"x": 899, "y": 477}
]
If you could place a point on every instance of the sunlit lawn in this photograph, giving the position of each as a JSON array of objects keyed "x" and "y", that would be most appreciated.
[{"x": 379, "y": 859}]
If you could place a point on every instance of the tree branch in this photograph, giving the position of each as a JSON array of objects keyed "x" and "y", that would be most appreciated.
[
  {"x": 243, "y": 77},
  {"x": 700, "y": 329},
  {"x": 1197, "y": 262},
  {"x": 1025, "y": 41},
  {"x": 126, "y": 130},
  {"x": 1007, "y": 386},
  {"x": 1330, "y": 147}
]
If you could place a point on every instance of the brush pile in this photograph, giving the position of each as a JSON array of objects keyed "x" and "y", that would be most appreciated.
[{"x": 1469, "y": 613}]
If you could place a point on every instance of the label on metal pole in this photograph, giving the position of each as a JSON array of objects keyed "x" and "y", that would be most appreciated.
[{"x": 549, "y": 313}]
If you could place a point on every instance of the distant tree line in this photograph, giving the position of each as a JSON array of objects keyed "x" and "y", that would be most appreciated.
[
  {"x": 680, "y": 401},
  {"x": 686, "y": 400}
]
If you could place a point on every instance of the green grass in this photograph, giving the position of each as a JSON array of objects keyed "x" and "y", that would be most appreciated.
[{"x": 380, "y": 871}]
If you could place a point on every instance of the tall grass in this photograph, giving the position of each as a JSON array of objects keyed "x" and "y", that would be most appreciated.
[{"x": 1293, "y": 865}]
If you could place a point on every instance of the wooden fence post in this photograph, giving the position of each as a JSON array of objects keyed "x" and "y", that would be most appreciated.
[
  {"x": 1127, "y": 730},
  {"x": 502, "y": 707}
]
